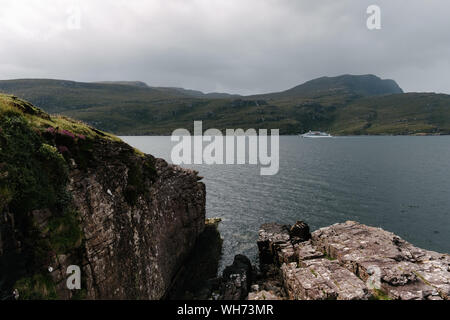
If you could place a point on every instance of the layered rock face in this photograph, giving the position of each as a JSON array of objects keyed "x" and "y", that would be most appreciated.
[
  {"x": 134, "y": 250},
  {"x": 350, "y": 261},
  {"x": 73, "y": 195}
]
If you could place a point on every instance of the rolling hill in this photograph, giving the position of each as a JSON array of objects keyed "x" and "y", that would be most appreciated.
[{"x": 345, "y": 104}]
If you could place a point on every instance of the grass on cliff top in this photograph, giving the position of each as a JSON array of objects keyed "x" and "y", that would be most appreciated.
[
  {"x": 35, "y": 149},
  {"x": 42, "y": 121},
  {"x": 33, "y": 178},
  {"x": 34, "y": 174}
]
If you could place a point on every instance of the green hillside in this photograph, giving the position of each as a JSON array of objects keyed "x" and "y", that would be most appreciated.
[
  {"x": 363, "y": 85},
  {"x": 341, "y": 105},
  {"x": 409, "y": 113}
]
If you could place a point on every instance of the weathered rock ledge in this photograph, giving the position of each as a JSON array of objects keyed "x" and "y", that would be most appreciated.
[{"x": 346, "y": 261}]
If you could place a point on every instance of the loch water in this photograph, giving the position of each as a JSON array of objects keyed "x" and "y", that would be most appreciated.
[{"x": 398, "y": 183}]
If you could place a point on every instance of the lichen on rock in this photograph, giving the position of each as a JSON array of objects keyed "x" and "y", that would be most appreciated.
[{"x": 352, "y": 261}]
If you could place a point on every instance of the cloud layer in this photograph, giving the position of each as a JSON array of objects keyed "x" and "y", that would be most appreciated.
[{"x": 242, "y": 46}]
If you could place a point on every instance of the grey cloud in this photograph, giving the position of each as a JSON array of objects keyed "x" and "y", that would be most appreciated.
[{"x": 243, "y": 46}]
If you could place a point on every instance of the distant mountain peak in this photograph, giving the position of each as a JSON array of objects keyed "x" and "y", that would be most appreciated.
[{"x": 364, "y": 85}]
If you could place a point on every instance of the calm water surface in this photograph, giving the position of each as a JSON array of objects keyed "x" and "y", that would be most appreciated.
[{"x": 401, "y": 184}]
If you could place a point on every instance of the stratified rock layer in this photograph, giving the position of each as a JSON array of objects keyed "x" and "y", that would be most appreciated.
[
  {"x": 405, "y": 271},
  {"x": 134, "y": 250},
  {"x": 351, "y": 261}
]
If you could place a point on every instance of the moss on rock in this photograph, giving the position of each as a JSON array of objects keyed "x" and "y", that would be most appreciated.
[
  {"x": 36, "y": 287},
  {"x": 33, "y": 177},
  {"x": 38, "y": 153}
]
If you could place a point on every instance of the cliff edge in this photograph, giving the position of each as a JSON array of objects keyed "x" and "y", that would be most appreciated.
[{"x": 73, "y": 195}]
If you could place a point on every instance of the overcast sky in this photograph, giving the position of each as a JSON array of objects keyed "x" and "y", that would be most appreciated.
[{"x": 240, "y": 46}]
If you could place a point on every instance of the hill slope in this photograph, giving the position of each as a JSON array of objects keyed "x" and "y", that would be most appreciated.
[
  {"x": 354, "y": 85},
  {"x": 342, "y": 105},
  {"x": 57, "y": 96},
  {"x": 365, "y": 85}
]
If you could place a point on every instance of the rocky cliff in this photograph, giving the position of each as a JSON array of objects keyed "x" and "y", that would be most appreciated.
[
  {"x": 346, "y": 261},
  {"x": 73, "y": 195}
]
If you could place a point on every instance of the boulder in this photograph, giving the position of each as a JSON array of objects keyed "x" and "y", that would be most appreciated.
[
  {"x": 236, "y": 279},
  {"x": 299, "y": 232},
  {"x": 322, "y": 279},
  {"x": 274, "y": 244},
  {"x": 306, "y": 251}
]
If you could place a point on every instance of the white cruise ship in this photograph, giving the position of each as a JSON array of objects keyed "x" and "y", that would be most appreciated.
[{"x": 316, "y": 134}]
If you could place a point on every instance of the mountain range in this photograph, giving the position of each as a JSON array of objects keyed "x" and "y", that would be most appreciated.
[{"x": 342, "y": 105}]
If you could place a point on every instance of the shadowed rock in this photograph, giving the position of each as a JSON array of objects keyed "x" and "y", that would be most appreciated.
[
  {"x": 274, "y": 244},
  {"x": 299, "y": 232},
  {"x": 198, "y": 275},
  {"x": 236, "y": 279}
]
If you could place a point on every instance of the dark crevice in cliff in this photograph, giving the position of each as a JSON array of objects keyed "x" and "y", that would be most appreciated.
[{"x": 197, "y": 277}]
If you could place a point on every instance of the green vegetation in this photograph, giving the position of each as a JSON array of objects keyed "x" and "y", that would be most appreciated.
[
  {"x": 36, "y": 154},
  {"x": 328, "y": 257},
  {"x": 345, "y": 105},
  {"x": 80, "y": 294},
  {"x": 137, "y": 175},
  {"x": 36, "y": 287},
  {"x": 380, "y": 295},
  {"x": 64, "y": 232},
  {"x": 411, "y": 113},
  {"x": 361, "y": 85},
  {"x": 34, "y": 172}
]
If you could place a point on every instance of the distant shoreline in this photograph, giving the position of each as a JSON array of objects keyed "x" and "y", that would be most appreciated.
[{"x": 295, "y": 135}]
